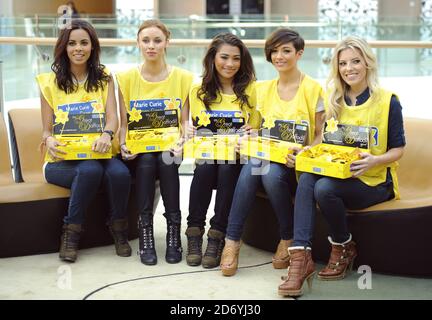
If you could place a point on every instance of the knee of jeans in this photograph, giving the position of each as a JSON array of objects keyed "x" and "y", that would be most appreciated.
[
  {"x": 90, "y": 170},
  {"x": 119, "y": 174},
  {"x": 323, "y": 190}
]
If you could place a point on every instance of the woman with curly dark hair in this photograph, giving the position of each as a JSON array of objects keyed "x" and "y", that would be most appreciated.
[
  {"x": 81, "y": 87},
  {"x": 227, "y": 90}
]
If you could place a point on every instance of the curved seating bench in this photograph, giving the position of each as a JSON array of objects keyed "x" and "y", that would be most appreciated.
[
  {"x": 393, "y": 237},
  {"x": 31, "y": 210}
]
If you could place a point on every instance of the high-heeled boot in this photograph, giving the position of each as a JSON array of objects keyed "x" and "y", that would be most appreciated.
[
  {"x": 280, "y": 260},
  {"x": 341, "y": 260},
  {"x": 147, "y": 251},
  {"x": 230, "y": 257},
  {"x": 301, "y": 268}
]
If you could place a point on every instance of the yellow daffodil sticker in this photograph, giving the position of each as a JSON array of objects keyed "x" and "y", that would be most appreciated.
[
  {"x": 332, "y": 125},
  {"x": 97, "y": 107},
  {"x": 61, "y": 117},
  {"x": 204, "y": 119},
  {"x": 269, "y": 122},
  {"x": 171, "y": 104},
  {"x": 134, "y": 115},
  {"x": 86, "y": 98},
  {"x": 237, "y": 114}
]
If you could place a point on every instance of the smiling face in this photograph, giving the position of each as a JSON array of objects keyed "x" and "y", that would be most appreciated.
[
  {"x": 227, "y": 61},
  {"x": 79, "y": 47},
  {"x": 152, "y": 43},
  {"x": 284, "y": 57},
  {"x": 352, "y": 69}
]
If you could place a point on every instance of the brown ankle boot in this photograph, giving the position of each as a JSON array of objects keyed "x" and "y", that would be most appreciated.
[
  {"x": 119, "y": 231},
  {"x": 215, "y": 245},
  {"x": 280, "y": 259},
  {"x": 194, "y": 245},
  {"x": 341, "y": 258},
  {"x": 301, "y": 268},
  {"x": 69, "y": 242},
  {"x": 230, "y": 257}
]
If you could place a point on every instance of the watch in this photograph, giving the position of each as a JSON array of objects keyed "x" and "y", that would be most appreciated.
[{"x": 110, "y": 132}]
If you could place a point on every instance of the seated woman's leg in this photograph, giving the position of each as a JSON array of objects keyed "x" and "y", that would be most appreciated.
[
  {"x": 333, "y": 197},
  {"x": 170, "y": 192},
  {"x": 278, "y": 183},
  {"x": 203, "y": 182},
  {"x": 83, "y": 177},
  {"x": 145, "y": 168},
  {"x": 243, "y": 200},
  {"x": 227, "y": 176},
  {"x": 117, "y": 184}
]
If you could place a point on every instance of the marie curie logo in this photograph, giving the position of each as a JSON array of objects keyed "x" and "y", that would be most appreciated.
[
  {"x": 155, "y": 104},
  {"x": 78, "y": 108}
]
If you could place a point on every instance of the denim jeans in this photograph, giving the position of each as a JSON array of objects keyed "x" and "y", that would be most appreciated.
[
  {"x": 147, "y": 168},
  {"x": 333, "y": 197},
  {"x": 279, "y": 183},
  {"x": 84, "y": 177},
  {"x": 222, "y": 177}
]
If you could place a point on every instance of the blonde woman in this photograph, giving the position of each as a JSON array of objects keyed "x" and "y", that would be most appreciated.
[{"x": 354, "y": 98}]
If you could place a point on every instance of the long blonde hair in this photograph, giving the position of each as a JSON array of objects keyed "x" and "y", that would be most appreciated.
[{"x": 336, "y": 86}]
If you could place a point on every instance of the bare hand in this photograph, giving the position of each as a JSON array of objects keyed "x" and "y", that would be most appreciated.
[
  {"x": 367, "y": 162},
  {"x": 177, "y": 149},
  {"x": 52, "y": 150},
  {"x": 126, "y": 154},
  {"x": 102, "y": 144},
  {"x": 291, "y": 157}
]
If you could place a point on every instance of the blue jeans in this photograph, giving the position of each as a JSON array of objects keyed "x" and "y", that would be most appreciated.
[
  {"x": 279, "y": 183},
  {"x": 206, "y": 177},
  {"x": 333, "y": 197},
  {"x": 84, "y": 177},
  {"x": 147, "y": 168}
]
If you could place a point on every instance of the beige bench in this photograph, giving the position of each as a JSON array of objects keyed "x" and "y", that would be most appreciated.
[{"x": 32, "y": 210}]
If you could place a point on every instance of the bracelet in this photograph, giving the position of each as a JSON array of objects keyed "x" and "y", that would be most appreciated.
[
  {"x": 44, "y": 139},
  {"x": 110, "y": 133}
]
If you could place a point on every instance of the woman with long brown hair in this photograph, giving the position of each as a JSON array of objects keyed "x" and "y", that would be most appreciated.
[
  {"x": 227, "y": 90},
  {"x": 81, "y": 86}
]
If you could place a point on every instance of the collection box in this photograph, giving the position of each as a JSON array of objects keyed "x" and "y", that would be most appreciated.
[
  {"x": 216, "y": 139},
  {"x": 274, "y": 144},
  {"x": 341, "y": 145},
  {"x": 78, "y": 131},
  {"x": 152, "y": 131}
]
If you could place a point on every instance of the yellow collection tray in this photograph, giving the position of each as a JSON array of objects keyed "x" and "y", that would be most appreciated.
[
  {"x": 328, "y": 160},
  {"x": 216, "y": 148}
]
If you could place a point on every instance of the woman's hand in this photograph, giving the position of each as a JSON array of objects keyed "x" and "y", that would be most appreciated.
[
  {"x": 51, "y": 145},
  {"x": 367, "y": 162},
  {"x": 291, "y": 157},
  {"x": 126, "y": 154},
  {"x": 246, "y": 129},
  {"x": 177, "y": 149},
  {"x": 102, "y": 144},
  {"x": 191, "y": 131}
]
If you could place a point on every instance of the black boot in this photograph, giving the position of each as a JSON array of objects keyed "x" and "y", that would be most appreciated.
[
  {"x": 173, "y": 239},
  {"x": 147, "y": 250}
]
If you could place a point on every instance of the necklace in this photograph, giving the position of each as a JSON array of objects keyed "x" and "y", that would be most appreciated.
[{"x": 79, "y": 82}]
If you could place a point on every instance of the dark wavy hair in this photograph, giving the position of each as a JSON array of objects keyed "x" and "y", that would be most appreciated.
[
  {"x": 97, "y": 78},
  {"x": 211, "y": 86}
]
